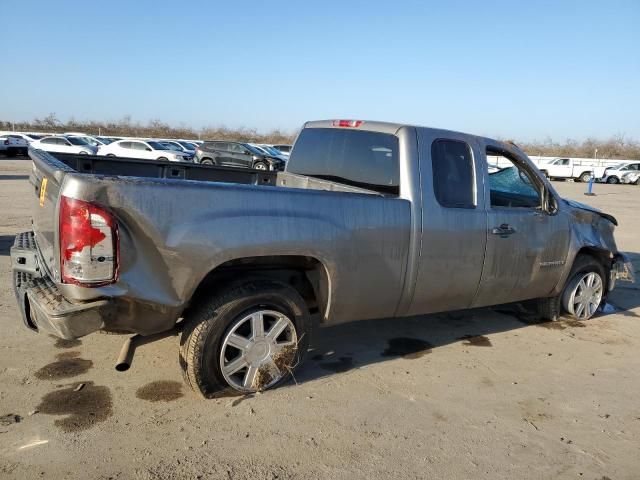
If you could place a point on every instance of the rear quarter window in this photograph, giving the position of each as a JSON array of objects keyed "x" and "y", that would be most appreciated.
[{"x": 353, "y": 157}]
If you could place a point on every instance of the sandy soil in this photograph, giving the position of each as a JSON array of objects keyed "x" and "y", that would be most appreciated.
[{"x": 479, "y": 394}]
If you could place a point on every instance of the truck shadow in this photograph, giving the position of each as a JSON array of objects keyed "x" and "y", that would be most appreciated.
[{"x": 341, "y": 348}]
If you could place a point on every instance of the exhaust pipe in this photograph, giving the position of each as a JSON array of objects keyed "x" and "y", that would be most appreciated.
[{"x": 125, "y": 359}]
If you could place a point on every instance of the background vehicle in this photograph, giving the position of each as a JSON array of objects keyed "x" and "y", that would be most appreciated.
[
  {"x": 28, "y": 137},
  {"x": 342, "y": 232},
  {"x": 282, "y": 148},
  {"x": 570, "y": 168},
  {"x": 615, "y": 173},
  {"x": 147, "y": 149},
  {"x": 12, "y": 145},
  {"x": 64, "y": 145},
  {"x": 236, "y": 154}
]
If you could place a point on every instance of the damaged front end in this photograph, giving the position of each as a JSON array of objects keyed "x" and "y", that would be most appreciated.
[{"x": 594, "y": 229}]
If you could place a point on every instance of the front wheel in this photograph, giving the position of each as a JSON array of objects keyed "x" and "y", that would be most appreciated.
[
  {"x": 206, "y": 161},
  {"x": 250, "y": 338},
  {"x": 260, "y": 166},
  {"x": 582, "y": 294},
  {"x": 613, "y": 180}
]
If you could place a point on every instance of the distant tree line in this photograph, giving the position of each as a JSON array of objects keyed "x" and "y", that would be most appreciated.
[
  {"x": 615, "y": 147},
  {"x": 153, "y": 129}
]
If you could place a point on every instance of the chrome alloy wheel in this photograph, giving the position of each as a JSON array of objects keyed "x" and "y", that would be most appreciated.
[
  {"x": 584, "y": 297},
  {"x": 258, "y": 350}
]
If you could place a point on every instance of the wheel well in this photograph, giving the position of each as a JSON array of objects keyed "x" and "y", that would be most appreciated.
[
  {"x": 602, "y": 255},
  {"x": 306, "y": 274}
]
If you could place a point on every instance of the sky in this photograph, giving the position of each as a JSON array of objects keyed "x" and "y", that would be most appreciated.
[{"x": 518, "y": 70}]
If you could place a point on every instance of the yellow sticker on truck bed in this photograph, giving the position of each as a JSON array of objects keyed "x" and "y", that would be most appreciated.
[{"x": 43, "y": 191}]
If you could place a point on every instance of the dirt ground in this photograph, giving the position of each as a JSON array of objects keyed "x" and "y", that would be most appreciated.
[{"x": 480, "y": 394}]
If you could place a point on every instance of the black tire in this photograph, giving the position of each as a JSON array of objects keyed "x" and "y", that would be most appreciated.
[
  {"x": 613, "y": 180},
  {"x": 11, "y": 152},
  {"x": 585, "y": 177},
  {"x": 208, "y": 322},
  {"x": 552, "y": 308},
  {"x": 260, "y": 166},
  {"x": 207, "y": 161}
]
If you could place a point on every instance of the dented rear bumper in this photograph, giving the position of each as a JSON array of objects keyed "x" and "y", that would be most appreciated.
[{"x": 42, "y": 305}]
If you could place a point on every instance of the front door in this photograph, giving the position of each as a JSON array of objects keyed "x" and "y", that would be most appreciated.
[
  {"x": 527, "y": 237},
  {"x": 454, "y": 222}
]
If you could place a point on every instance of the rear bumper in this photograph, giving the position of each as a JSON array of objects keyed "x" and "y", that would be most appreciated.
[{"x": 42, "y": 305}]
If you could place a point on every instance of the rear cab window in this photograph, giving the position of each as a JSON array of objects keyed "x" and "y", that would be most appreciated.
[
  {"x": 357, "y": 158},
  {"x": 453, "y": 173}
]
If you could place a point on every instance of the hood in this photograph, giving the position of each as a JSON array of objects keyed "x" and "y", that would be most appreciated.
[{"x": 589, "y": 208}]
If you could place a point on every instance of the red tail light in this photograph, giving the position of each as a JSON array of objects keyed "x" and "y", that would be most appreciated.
[
  {"x": 88, "y": 244},
  {"x": 347, "y": 123}
]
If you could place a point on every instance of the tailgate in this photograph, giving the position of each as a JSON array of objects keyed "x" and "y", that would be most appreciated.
[{"x": 46, "y": 180}]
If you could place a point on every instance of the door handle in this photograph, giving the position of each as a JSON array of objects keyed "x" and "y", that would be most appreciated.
[{"x": 503, "y": 230}]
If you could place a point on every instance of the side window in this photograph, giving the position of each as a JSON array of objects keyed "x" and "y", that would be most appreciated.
[
  {"x": 236, "y": 148},
  {"x": 565, "y": 161},
  {"x": 220, "y": 146},
  {"x": 635, "y": 166},
  {"x": 125, "y": 144},
  {"x": 138, "y": 146},
  {"x": 513, "y": 186},
  {"x": 453, "y": 178},
  {"x": 48, "y": 141}
]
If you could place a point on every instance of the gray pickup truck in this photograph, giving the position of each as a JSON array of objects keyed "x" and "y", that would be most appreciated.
[{"x": 369, "y": 220}]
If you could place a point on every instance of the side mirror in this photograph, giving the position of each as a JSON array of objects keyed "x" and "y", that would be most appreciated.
[
  {"x": 148, "y": 149},
  {"x": 247, "y": 152}
]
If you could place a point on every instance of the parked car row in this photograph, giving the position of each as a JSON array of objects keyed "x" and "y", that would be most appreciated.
[{"x": 221, "y": 153}]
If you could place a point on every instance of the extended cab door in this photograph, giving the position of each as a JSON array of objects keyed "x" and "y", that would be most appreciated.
[
  {"x": 454, "y": 222},
  {"x": 527, "y": 237}
]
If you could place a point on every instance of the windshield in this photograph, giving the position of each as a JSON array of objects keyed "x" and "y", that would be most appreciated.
[
  {"x": 252, "y": 149},
  {"x": 77, "y": 141},
  {"x": 157, "y": 146},
  {"x": 271, "y": 150}
]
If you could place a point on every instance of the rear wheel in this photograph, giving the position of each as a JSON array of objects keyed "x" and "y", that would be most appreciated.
[
  {"x": 207, "y": 161},
  {"x": 249, "y": 338},
  {"x": 613, "y": 179},
  {"x": 585, "y": 177}
]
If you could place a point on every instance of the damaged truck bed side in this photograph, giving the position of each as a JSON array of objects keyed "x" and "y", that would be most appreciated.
[{"x": 369, "y": 220}]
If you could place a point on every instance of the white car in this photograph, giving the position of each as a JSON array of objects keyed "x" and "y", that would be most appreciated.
[
  {"x": 12, "y": 145},
  {"x": 27, "y": 137},
  {"x": 145, "y": 149},
  {"x": 615, "y": 173},
  {"x": 64, "y": 145}
]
